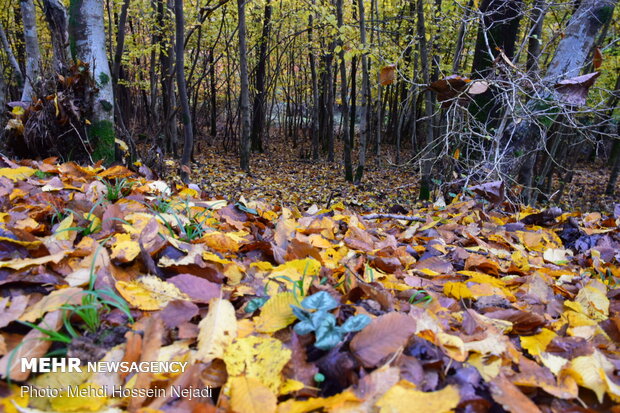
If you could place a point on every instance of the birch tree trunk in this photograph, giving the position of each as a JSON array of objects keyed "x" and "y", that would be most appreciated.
[
  {"x": 87, "y": 42},
  {"x": 523, "y": 137},
  {"x": 31, "y": 41},
  {"x": 244, "y": 102}
]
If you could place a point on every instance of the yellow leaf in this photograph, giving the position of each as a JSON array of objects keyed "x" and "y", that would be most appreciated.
[
  {"x": 189, "y": 193},
  {"x": 18, "y": 264},
  {"x": 89, "y": 402},
  {"x": 261, "y": 358},
  {"x": 593, "y": 298},
  {"x": 402, "y": 397},
  {"x": 217, "y": 330},
  {"x": 537, "y": 343},
  {"x": 488, "y": 367},
  {"x": 315, "y": 403},
  {"x": 290, "y": 386},
  {"x": 125, "y": 249},
  {"x": 61, "y": 231},
  {"x": 27, "y": 244},
  {"x": 17, "y": 174},
  {"x": 295, "y": 270},
  {"x": 94, "y": 220},
  {"x": 149, "y": 293},
  {"x": 220, "y": 241},
  {"x": 8, "y": 403},
  {"x": 457, "y": 290},
  {"x": 209, "y": 256},
  {"x": 588, "y": 372},
  {"x": 250, "y": 395},
  {"x": 53, "y": 302},
  {"x": 276, "y": 313}
]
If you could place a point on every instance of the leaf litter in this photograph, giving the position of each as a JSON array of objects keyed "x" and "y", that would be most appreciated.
[{"x": 474, "y": 306}]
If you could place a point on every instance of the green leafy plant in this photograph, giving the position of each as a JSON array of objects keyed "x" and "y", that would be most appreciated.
[
  {"x": 118, "y": 189},
  {"x": 419, "y": 297},
  {"x": 315, "y": 317},
  {"x": 40, "y": 174},
  {"x": 190, "y": 228}
]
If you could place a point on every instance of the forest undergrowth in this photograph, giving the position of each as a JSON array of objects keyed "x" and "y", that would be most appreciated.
[
  {"x": 476, "y": 305},
  {"x": 283, "y": 176}
]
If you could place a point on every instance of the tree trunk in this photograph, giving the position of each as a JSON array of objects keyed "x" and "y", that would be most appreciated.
[
  {"x": 523, "y": 138},
  {"x": 166, "y": 56},
  {"x": 426, "y": 162},
  {"x": 258, "y": 115},
  {"x": 315, "y": 93},
  {"x": 348, "y": 167},
  {"x": 497, "y": 32},
  {"x": 17, "y": 72},
  {"x": 535, "y": 35},
  {"x": 460, "y": 40},
  {"x": 3, "y": 84},
  {"x": 361, "y": 165},
  {"x": 56, "y": 17},
  {"x": 87, "y": 39},
  {"x": 615, "y": 171},
  {"x": 116, "y": 66},
  {"x": 31, "y": 41},
  {"x": 244, "y": 101},
  {"x": 186, "y": 115}
]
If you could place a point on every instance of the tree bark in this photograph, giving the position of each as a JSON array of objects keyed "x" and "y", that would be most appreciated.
[
  {"x": 535, "y": 35},
  {"x": 244, "y": 101},
  {"x": 166, "y": 56},
  {"x": 56, "y": 17},
  {"x": 31, "y": 41},
  {"x": 364, "y": 123},
  {"x": 87, "y": 40},
  {"x": 426, "y": 163},
  {"x": 315, "y": 92},
  {"x": 524, "y": 137},
  {"x": 17, "y": 72},
  {"x": 186, "y": 115},
  {"x": 348, "y": 167},
  {"x": 258, "y": 113}
]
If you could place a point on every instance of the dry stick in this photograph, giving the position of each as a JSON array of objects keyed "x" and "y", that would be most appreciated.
[{"x": 394, "y": 216}]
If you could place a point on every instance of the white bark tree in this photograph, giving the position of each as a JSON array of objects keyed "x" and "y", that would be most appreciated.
[
  {"x": 31, "y": 42},
  {"x": 87, "y": 42}
]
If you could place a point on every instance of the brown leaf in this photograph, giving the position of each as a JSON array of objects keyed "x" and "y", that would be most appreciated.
[
  {"x": 12, "y": 310},
  {"x": 387, "y": 75},
  {"x": 33, "y": 346},
  {"x": 510, "y": 397},
  {"x": 574, "y": 91},
  {"x": 437, "y": 264},
  {"x": 597, "y": 61},
  {"x": 491, "y": 191},
  {"x": 178, "y": 312},
  {"x": 382, "y": 337},
  {"x": 151, "y": 343},
  {"x": 132, "y": 349},
  {"x": 196, "y": 288}
]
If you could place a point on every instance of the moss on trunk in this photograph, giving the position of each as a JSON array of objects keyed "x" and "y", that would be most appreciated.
[{"x": 101, "y": 134}]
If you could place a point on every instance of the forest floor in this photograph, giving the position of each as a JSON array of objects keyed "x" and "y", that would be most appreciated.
[
  {"x": 469, "y": 306},
  {"x": 281, "y": 176}
]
